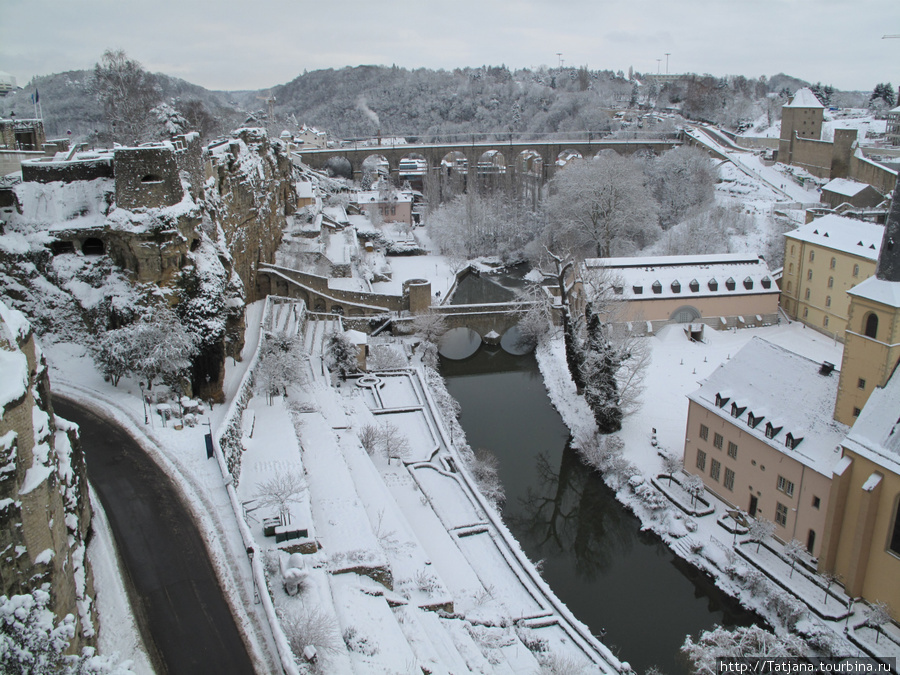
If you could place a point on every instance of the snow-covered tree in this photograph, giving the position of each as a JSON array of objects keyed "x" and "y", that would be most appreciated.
[
  {"x": 599, "y": 366},
  {"x": 341, "y": 354},
  {"x": 280, "y": 366},
  {"x": 795, "y": 551},
  {"x": 877, "y": 615},
  {"x": 693, "y": 485},
  {"x": 280, "y": 492},
  {"x": 394, "y": 444},
  {"x": 485, "y": 470},
  {"x": 127, "y": 93},
  {"x": 830, "y": 578},
  {"x": 603, "y": 206},
  {"x": 156, "y": 347},
  {"x": 683, "y": 181},
  {"x": 672, "y": 464},
  {"x": 760, "y": 529},
  {"x": 32, "y": 642},
  {"x": 749, "y": 641},
  {"x": 430, "y": 326},
  {"x": 883, "y": 95}
]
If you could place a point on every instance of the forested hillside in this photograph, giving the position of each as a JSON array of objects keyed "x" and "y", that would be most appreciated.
[{"x": 365, "y": 100}]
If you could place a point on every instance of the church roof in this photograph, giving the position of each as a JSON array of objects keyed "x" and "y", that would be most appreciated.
[{"x": 876, "y": 433}]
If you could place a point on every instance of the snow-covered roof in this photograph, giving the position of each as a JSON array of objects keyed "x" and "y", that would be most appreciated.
[
  {"x": 304, "y": 189},
  {"x": 876, "y": 432},
  {"x": 848, "y": 235},
  {"x": 658, "y": 277},
  {"x": 845, "y": 186},
  {"x": 804, "y": 98},
  {"x": 878, "y": 290},
  {"x": 764, "y": 379},
  {"x": 374, "y": 197}
]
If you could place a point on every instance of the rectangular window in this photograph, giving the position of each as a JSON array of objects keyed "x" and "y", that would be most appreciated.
[
  {"x": 717, "y": 441},
  {"x": 861, "y": 383},
  {"x": 729, "y": 479},
  {"x": 781, "y": 512},
  {"x": 732, "y": 450},
  {"x": 714, "y": 468},
  {"x": 701, "y": 460},
  {"x": 704, "y": 432},
  {"x": 785, "y": 486},
  {"x": 816, "y": 502}
]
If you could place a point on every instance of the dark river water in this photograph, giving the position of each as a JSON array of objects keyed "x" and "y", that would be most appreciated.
[{"x": 595, "y": 557}]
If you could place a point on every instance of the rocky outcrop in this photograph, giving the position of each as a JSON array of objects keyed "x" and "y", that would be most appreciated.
[{"x": 45, "y": 512}]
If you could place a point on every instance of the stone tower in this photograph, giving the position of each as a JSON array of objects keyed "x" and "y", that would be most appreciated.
[
  {"x": 872, "y": 341},
  {"x": 801, "y": 117}
]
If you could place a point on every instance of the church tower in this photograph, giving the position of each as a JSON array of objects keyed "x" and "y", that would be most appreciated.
[{"x": 872, "y": 340}]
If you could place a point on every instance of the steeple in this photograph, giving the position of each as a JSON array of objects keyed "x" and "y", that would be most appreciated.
[{"x": 888, "y": 268}]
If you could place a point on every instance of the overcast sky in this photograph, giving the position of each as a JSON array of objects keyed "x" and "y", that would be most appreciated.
[{"x": 254, "y": 44}]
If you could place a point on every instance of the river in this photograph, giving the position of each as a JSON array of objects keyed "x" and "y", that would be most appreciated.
[{"x": 624, "y": 584}]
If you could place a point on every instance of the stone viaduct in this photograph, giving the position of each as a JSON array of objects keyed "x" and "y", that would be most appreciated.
[{"x": 511, "y": 156}]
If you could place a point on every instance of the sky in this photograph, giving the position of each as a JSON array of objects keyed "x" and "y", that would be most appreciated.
[{"x": 225, "y": 44}]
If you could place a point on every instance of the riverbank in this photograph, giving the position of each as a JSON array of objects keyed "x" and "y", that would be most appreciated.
[{"x": 677, "y": 366}]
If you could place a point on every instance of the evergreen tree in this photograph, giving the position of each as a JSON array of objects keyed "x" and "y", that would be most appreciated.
[{"x": 599, "y": 366}]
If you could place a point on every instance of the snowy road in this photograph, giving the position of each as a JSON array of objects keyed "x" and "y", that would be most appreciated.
[{"x": 175, "y": 587}]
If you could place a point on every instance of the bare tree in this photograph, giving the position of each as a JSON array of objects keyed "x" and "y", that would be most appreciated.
[
  {"x": 430, "y": 326},
  {"x": 759, "y": 530},
  {"x": 485, "y": 472},
  {"x": 671, "y": 464},
  {"x": 877, "y": 614},
  {"x": 794, "y": 550},
  {"x": 603, "y": 206},
  {"x": 369, "y": 437},
  {"x": 393, "y": 443},
  {"x": 693, "y": 485},
  {"x": 127, "y": 93},
  {"x": 751, "y": 641},
  {"x": 280, "y": 492},
  {"x": 830, "y": 578}
]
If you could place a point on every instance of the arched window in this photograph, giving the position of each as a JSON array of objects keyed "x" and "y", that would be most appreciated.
[
  {"x": 833, "y": 262},
  {"x": 871, "y": 325},
  {"x": 812, "y": 256},
  {"x": 789, "y": 286},
  {"x": 809, "y": 275},
  {"x": 830, "y": 282},
  {"x": 791, "y": 268},
  {"x": 856, "y": 270},
  {"x": 828, "y": 301}
]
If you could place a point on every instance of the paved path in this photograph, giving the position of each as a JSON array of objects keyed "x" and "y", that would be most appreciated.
[{"x": 176, "y": 595}]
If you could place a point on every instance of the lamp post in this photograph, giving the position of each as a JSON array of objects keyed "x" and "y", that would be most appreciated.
[{"x": 144, "y": 401}]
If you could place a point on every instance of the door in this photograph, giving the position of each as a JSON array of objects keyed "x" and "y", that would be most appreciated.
[
  {"x": 753, "y": 504},
  {"x": 811, "y": 541}
]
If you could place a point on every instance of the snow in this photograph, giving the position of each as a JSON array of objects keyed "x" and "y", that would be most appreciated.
[
  {"x": 845, "y": 186},
  {"x": 874, "y": 434},
  {"x": 878, "y": 290},
  {"x": 804, "y": 98},
  {"x": 858, "y": 237}
]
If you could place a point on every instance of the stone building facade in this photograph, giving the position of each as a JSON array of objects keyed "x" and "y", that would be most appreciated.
[{"x": 45, "y": 512}]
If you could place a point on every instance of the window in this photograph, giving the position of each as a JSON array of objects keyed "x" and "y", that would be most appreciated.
[
  {"x": 732, "y": 450},
  {"x": 828, "y": 301},
  {"x": 856, "y": 412},
  {"x": 789, "y": 285},
  {"x": 736, "y": 410},
  {"x": 805, "y": 312},
  {"x": 856, "y": 270},
  {"x": 825, "y": 321},
  {"x": 753, "y": 420},
  {"x": 748, "y": 283},
  {"x": 717, "y": 441},
  {"x": 701, "y": 460},
  {"x": 785, "y": 486},
  {"x": 694, "y": 286},
  {"x": 895, "y": 535},
  {"x": 729, "y": 479},
  {"x": 714, "y": 468},
  {"x": 637, "y": 290},
  {"x": 809, "y": 275},
  {"x": 792, "y": 249},
  {"x": 721, "y": 400},
  {"x": 781, "y": 512},
  {"x": 833, "y": 262},
  {"x": 704, "y": 432},
  {"x": 676, "y": 286},
  {"x": 807, "y": 294},
  {"x": 657, "y": 287},
  {"x": 791, "y": 441},
  {"x": 812, "y": 256},
  {"x": 872, "y": 325},
  {"x": 730, "y": 283},
  {"x": 816, "y": 502},
  {"x": 791, "y": 268},
  {"x": 861, "y": 383},
  {"x": 830, "y": 282},
  {"x": 713, "y": 284},
  {"x": 771, "y": 430}
]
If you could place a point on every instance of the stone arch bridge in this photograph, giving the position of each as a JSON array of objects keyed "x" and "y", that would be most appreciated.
[{"x": 509, "y": 157}]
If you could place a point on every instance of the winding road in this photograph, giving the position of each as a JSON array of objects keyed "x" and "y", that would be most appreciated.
[{"x": 186, "y": 623}]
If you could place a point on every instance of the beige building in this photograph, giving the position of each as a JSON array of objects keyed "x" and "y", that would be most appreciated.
[
  {"x": 893, "y": 126},
  {"x": 822, "y": 261},
  {"x": 801, "y": 117},
  {"x": 389, "y": 208},
  {"x": 722, "y": 290},
  {"x": 862, "y": 541},
  {"x": 845, "y": 191},
  {"x": 753, "y": 448}
]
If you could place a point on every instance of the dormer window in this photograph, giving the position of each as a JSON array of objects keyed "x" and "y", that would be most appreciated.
[
  {"x": 637, "y": 290},
  {"x": 771, "y": 430},
  {"x": 753, "y": 420},
  {"x": 657, "y": 287},
  {"x": 676, "y": 286},
  {"x": 721, "y": 400},
  {"x": 730, "y": 283},
  {"x": 713, "y": 284},
  {"x": 618, "y": 290},
  {"x": 792, "y": 442},
  {"x": 694, "y": 286},
  {"x": 748, "y": 283},
  {"x": 766, "y": 282},
  {"x": 736, "y": 410}
]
